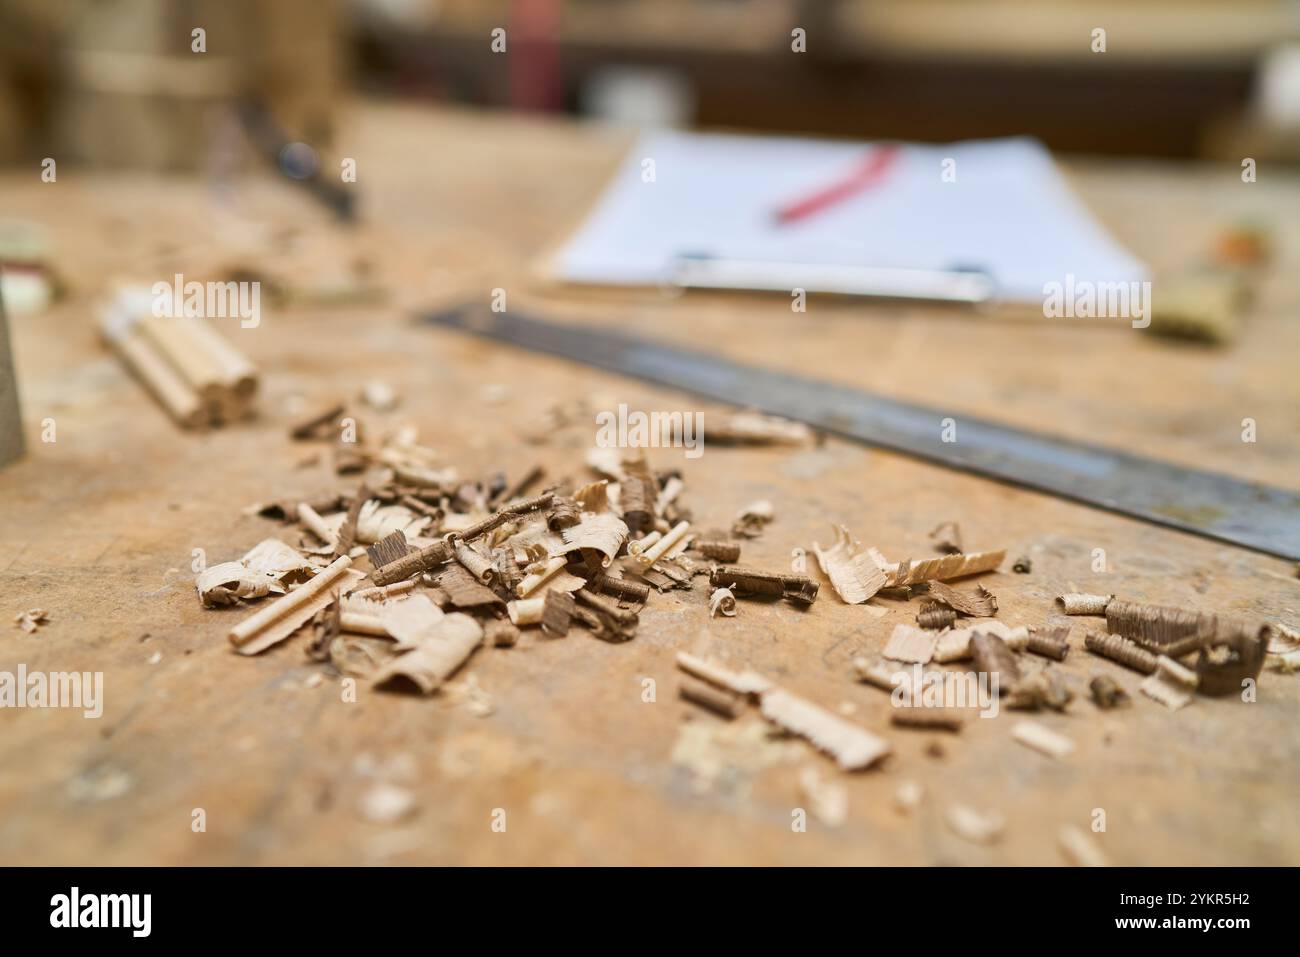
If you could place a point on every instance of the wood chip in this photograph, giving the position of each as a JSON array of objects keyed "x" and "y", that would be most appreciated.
[
  {"x": 910, "y": 644},
  {"x": 436, "y": 658},
  {"x": 971, "y": 825},
  {"x": 557, "y": 613},
  {"x": 1042, "y": 739},
  {"x": 828, "y": 800},
  {"x": 740, "y": 682},
  {"x": 993, "y": 657},
  {"x": 388, "y": 550},
  {"x": 1172, "y": 684},
  {"x": 853, "y": 748},
  {"x": 277, "y": 621},
  {"x": 464, "y": 590},
  {"x": 31, "y": 619},
  {"x": 980, "y": 604},
  {"x": 852, "y": 571},
  {"x": 1080, "y": 849},
  {"x": 721, "y": 701}
]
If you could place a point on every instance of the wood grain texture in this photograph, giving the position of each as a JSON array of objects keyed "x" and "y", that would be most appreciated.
[{"x": 99, "y": 528}]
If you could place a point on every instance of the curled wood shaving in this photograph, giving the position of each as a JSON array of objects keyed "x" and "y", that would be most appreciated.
[
  {"x": 264, "y": 570},
  {"x": 955, "y": 645},
  {"x": 981, "y": 604},
  {"x": 603, "y": 533},
  {"x": 1042, "y": 739},
  {"x": 853, "y": 573},
  {"x": 751, "y": 519},
  {"x": 31, "y": 619},
  {"x": 992, "y": 656},
  {"x": 436, "y": 657},
  {"x": 910, "y": 644},
  {"x": 411, "y": 621},
  {"x": 526, "y": 611},
  {"x": 1079, "y": 604},
  {"x": 593, "y": 497},
  {"x": 722, "y": 601},
  {"x": 376, "y": 521},
  {"x": 852, "y": 747},
  {"x": 1171, "y": 684}
]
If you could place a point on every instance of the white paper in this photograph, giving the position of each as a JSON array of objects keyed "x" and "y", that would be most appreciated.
[{"x": 1008, "y": 213}]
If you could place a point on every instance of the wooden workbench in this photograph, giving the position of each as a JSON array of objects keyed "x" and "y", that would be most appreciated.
[{"x": 100, "y": 525}]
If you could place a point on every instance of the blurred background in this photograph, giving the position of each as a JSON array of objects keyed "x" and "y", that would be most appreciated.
[{"x": 113, "y": 82}]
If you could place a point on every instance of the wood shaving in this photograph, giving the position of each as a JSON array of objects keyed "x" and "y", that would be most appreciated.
[
  {"x": 722, "y": 601},
  {"x": 1043, "y": 739},
  {"x": 992, "y": 656},
  {"x": 828, "y": 800},
  {"x": 263, "y": 571},
  {"x": 437, "y": 657},
  {"x": 389, "y": 549},
  {"x": 526, "y": 611},
  {"x": 376, "y": 521},
  {"x": 852, "y": 747},
  {"x": 32, "y": 619},
  {"x": 603, "y": 534},
  {"x": 557, "y": 613},
  {"x": 411, "y": 621},
  {"x": 1079, "y": 604},
  {"x": 593, "y": 497},
  {"x": 853, "y": 573},
  {"x": 754, "y": 428},
  {"x": 720, "y": 701},
  {"x": 275, "y": 622},
  {"x": 1172, "y": 684},
  {"x": 1051, "y": 643},
  {"x": 981, "y": 604},
  {"x": 751, "y": 519},
  {"x": 971, "y": 825},
  {"x": 935, "y": 617},
  {"x": 740, "y": 682},
  {"x": 910, "y": 644},
  {"x": 474, "y": 562},
  {"x": 464, "y": 590},
  {"x": 947, "y": 538},
  {"x": 501, "y": 634},
  {"x": 1080, "y": 849},
  {"x": 943, "y": 569}
]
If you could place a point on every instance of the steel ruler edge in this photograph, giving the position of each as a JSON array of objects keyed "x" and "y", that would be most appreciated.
[{"x": 1258, "y": 517}]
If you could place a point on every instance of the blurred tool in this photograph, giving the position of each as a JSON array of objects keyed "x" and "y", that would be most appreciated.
[
  {"x": 295, "y": 161},
  {"x": 1216, "y": 506}
]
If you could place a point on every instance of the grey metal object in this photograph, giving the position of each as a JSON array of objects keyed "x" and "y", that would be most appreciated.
[
  {"x": 1216, "y": 506},
  {"x": 11, "y": 420}
]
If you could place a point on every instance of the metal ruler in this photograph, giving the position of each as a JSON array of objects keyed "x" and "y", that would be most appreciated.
[{"x": 1216, "y": 506}]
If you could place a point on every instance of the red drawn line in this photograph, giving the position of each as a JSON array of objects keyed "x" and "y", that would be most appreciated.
[{"x": 868, "y": 173}]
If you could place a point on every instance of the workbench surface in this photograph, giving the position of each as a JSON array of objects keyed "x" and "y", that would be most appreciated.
[{"x": 99, "y": 528}]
